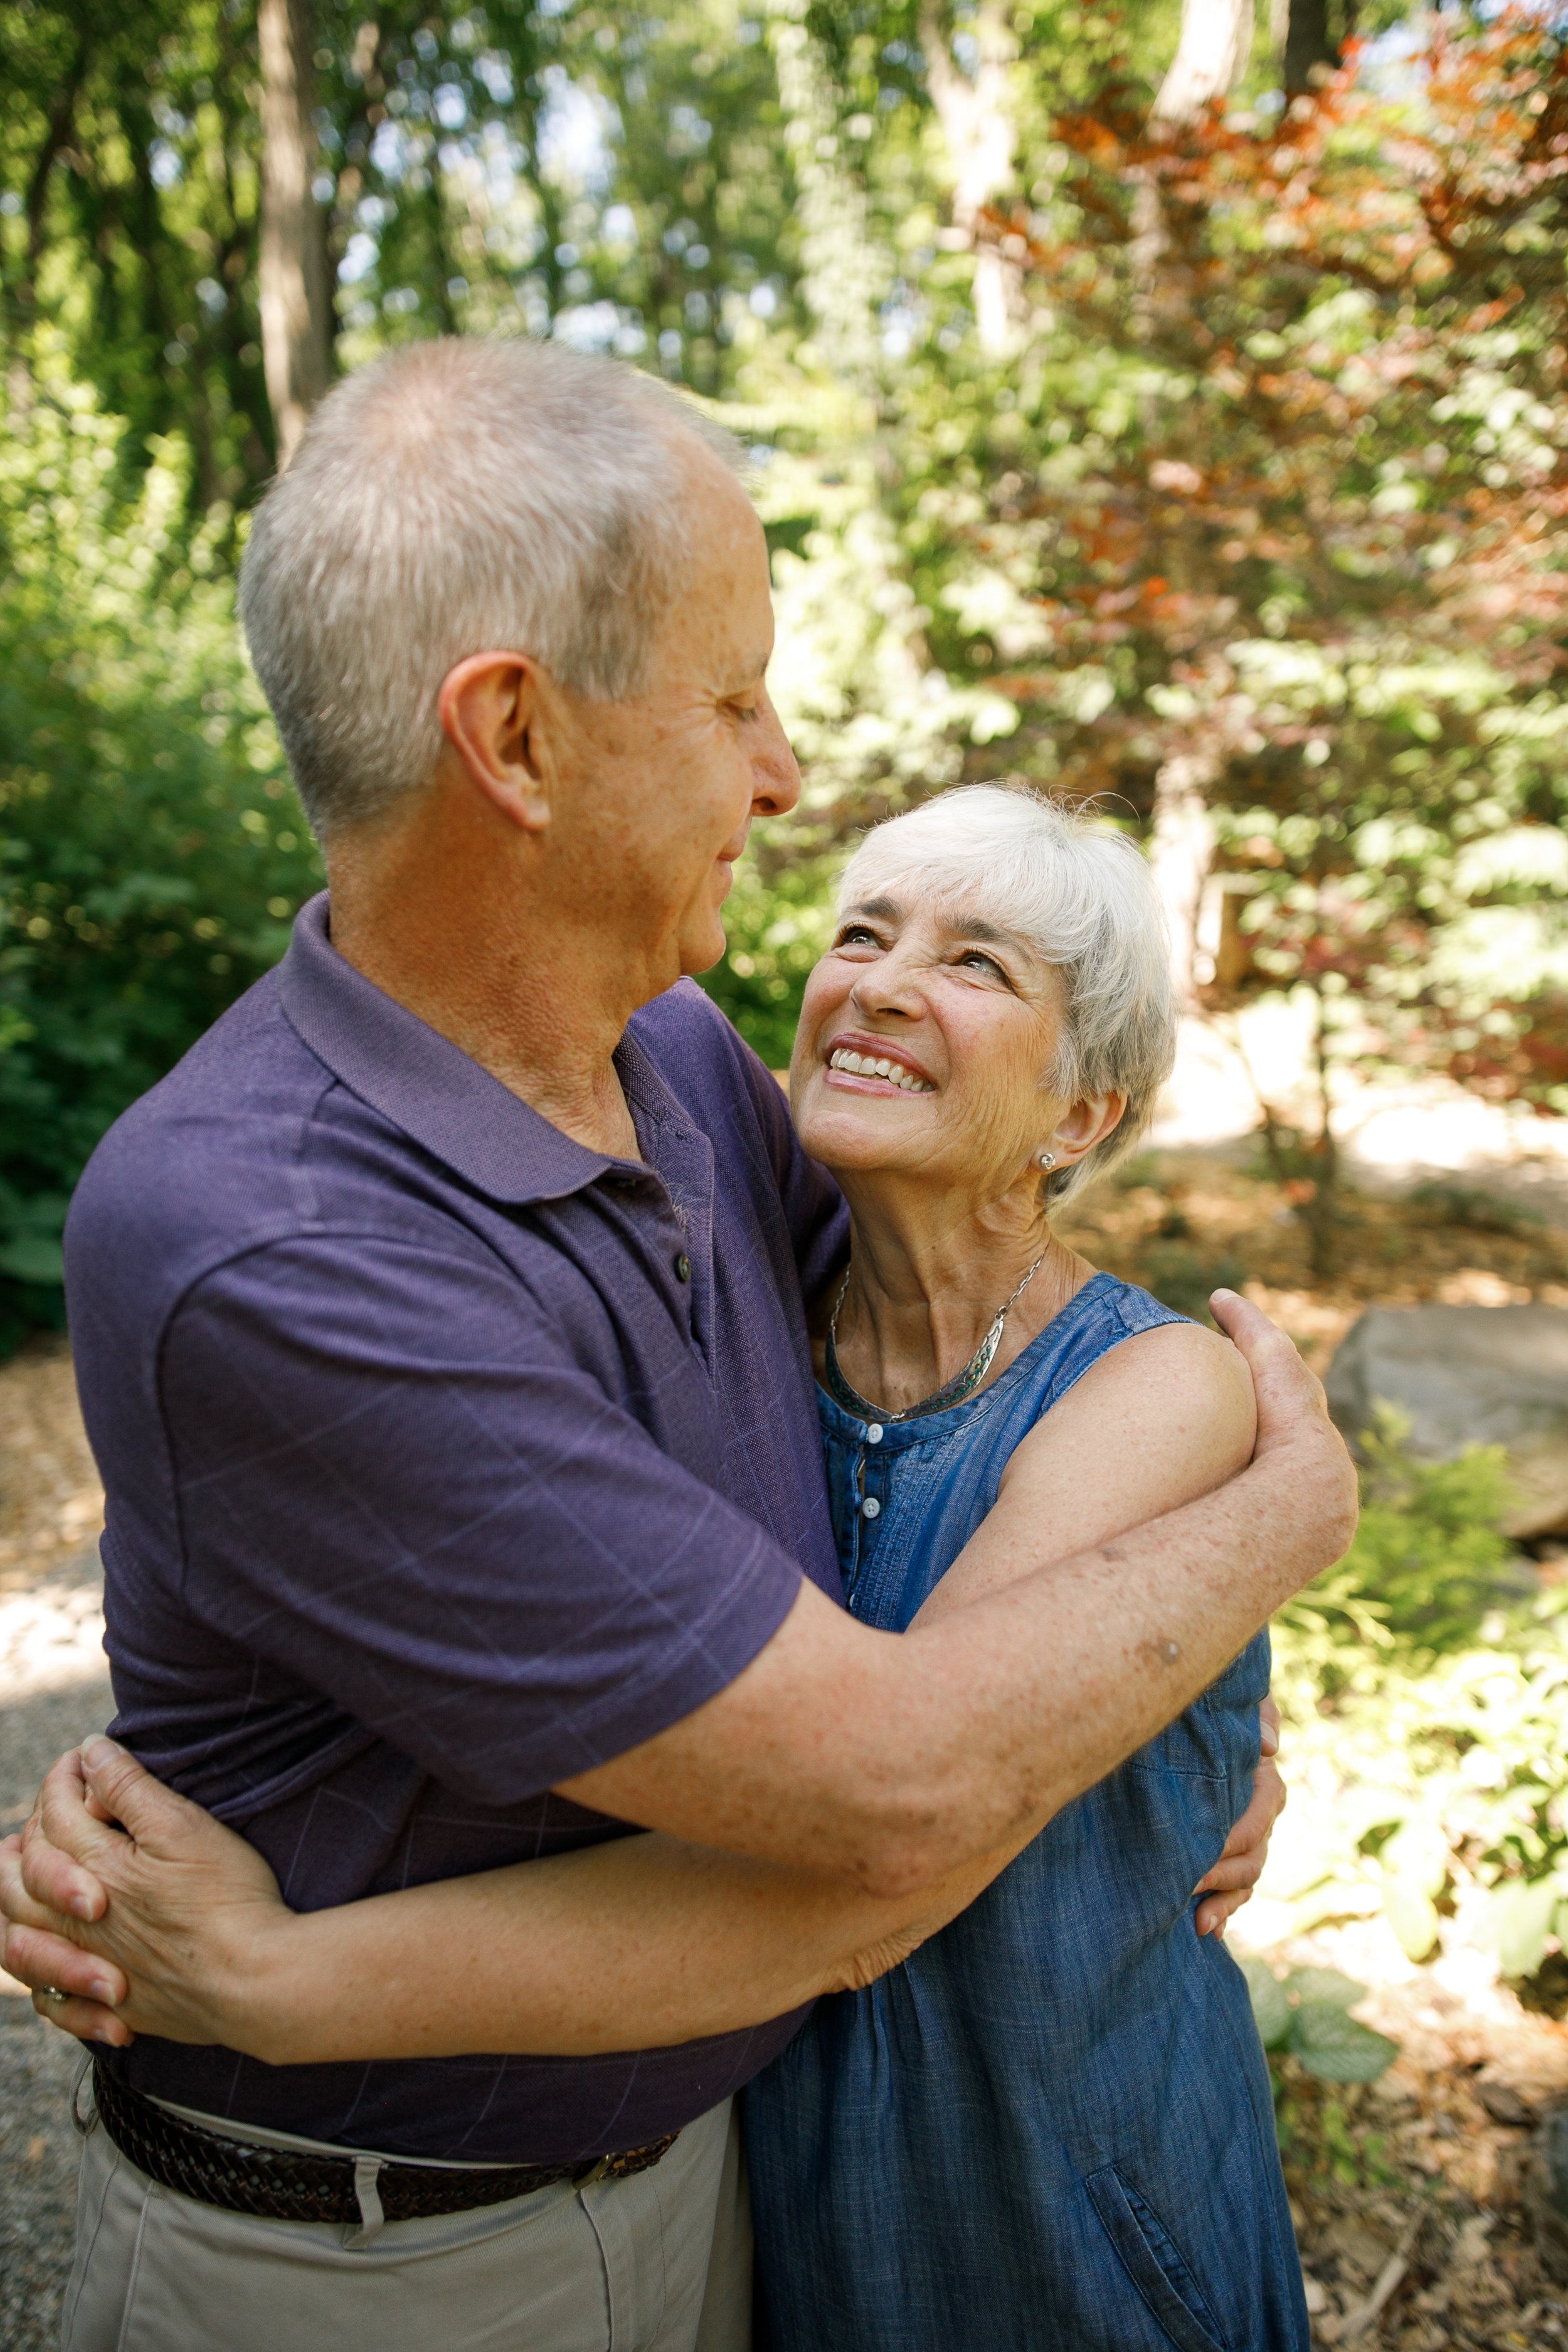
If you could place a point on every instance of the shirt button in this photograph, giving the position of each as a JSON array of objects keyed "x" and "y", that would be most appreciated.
[
  {"x": 870, "y": 1508},
  {"x": 874, "y": 1433},
  {"x": 683, "y": 1268}
]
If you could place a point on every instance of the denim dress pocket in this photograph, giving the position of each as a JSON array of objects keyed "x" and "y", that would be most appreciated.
[
  {"x": 1152, "y": 2262},
  {"x": 1217, "y": 1737}
]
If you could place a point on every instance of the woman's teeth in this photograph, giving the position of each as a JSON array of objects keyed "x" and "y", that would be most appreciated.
[{"x": 867, "y": 1066}]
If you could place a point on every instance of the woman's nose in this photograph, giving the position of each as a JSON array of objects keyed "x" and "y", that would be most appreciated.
[{"x": 890, "y": 985}]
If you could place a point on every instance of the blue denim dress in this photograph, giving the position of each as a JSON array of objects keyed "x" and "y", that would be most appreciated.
[{"x": 1050, "y": 2130}]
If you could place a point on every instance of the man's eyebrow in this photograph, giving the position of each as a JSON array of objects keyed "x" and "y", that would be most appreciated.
[{"x": 750, "y": 673}]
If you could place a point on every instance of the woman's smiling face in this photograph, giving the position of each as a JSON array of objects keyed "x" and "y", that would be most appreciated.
[{"x": 926, "y": 1039}]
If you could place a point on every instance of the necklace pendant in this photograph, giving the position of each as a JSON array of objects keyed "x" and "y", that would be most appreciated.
[{"x": 952, "y": 1392}]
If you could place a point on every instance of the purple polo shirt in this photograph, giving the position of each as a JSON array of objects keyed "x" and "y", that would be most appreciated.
[{"x": 445, "y": 1458}]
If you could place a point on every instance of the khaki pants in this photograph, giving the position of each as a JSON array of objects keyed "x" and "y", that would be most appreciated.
[{"x": 661, "y": 2263}]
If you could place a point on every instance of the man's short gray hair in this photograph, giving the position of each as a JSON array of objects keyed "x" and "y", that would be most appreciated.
[
  {"x": 1081, "y": 896},
  {"x": 460, "y": 496}
]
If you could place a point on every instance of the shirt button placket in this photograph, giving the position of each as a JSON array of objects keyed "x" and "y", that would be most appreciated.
[{"x": 870, "y": 1507}]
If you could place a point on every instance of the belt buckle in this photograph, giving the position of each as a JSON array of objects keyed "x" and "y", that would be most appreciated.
[{"x": 600, "y": 2170}]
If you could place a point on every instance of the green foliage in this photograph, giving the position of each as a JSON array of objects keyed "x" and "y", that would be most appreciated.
[
  {"x": 1425, "y": 1705},
  {"x": 151, "y": 853},
  {"x": 1427, "y": 1561},
  {"x": 574, "y": 169},
  {"x": 1266, "y": 506},
  {"x": 1315, "y": 2047},
  {"x": 1323, "y": 2138},
  {"x": 1306, "y": 2013}
]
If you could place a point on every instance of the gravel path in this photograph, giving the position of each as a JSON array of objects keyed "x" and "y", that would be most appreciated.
[{"x": 53, "y": 1691}]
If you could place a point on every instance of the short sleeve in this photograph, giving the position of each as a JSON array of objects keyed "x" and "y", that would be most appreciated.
[{"x": 397, "y": 1484}]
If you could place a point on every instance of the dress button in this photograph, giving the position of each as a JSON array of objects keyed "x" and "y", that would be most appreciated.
[
  {"x": 683, "y": 1268},
  {"x": 870, "y": 1508},
  {"x": 874, "y": 1432}
]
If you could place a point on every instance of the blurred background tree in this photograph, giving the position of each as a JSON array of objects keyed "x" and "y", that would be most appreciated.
[{"x": 1120, "y": 422}]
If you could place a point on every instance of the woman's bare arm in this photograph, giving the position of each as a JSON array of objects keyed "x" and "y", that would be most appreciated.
[
  {"x": 1162, "y": 1419},
  {"x": 636, "y": 1944}
]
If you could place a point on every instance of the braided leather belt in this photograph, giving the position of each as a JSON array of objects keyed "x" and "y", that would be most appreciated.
[{"x": 290, "y": 2184}]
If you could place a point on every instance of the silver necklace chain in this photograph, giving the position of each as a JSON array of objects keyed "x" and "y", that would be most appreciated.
[{"x": 952, "y": 1392}]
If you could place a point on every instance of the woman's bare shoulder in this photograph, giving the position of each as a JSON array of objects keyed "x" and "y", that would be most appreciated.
[
  {"x": 1183, "y": 1355},
  {"x": 1177, "y": 1392},
  {"x": 1163, "y": 1417}
]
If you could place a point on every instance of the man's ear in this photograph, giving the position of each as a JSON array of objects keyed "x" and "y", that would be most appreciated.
[{"x": 491, "y": 709}]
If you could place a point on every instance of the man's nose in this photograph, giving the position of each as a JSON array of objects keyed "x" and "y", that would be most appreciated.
[{"x": 775, "y": 776}]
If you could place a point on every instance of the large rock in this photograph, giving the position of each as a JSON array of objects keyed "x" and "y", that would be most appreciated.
[{"x": 1467, "y": 1376}]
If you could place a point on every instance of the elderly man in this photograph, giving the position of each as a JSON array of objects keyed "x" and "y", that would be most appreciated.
[{"x": 441, "y": 1329}]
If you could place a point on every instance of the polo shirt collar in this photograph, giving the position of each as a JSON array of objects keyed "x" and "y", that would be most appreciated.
[{"x": 422, "y": 1082}]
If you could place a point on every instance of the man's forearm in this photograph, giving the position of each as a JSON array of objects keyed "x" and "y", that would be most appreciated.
[
  {"x": 895, "y": 1760},
  {"x": 1052, "y": 1682}
]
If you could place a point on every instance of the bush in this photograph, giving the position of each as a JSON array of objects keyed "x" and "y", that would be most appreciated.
[
  {"x": 1307, "y": 2014},
  {"x": 1426, "y": 1711},
  {"x": 1304, "y": 2023},
  {"x": 151, "y": 852},
  {"x": 1427, "y": 1561}
]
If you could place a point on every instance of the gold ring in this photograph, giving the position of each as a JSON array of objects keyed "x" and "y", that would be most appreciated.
[{"x": 52, "y": 1993}]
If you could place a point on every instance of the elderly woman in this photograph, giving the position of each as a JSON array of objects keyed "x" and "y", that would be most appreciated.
[
  {"x": 1048, "y": 2125},
  {"x": 1051, "y": 2125}
]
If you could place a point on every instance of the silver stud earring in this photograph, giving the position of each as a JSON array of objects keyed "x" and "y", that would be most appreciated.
[{"x": 1046, "y": 1159}]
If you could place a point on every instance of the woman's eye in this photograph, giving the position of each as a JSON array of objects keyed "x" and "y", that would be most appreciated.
[
  {"x": 855, "y": 935},
  {"x": 972, "y": 957}
]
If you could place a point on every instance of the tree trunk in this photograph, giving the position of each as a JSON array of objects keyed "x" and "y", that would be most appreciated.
[
  {"x": 1181, "y": 851},
  {"x": 977, "y": 124},
  {"x": 62, "y": 113},
  {"x": 1321, "y": 1212},
  {"x": 1211, "y": 58},
  {"x": 295, "y": 339},
  {"x": 1307, "y": 44}
]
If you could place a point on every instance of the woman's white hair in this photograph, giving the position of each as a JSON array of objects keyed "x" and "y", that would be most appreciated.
[
  {"x": 1081, "y": 896},
  {"x": 461, "y": 497}
]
